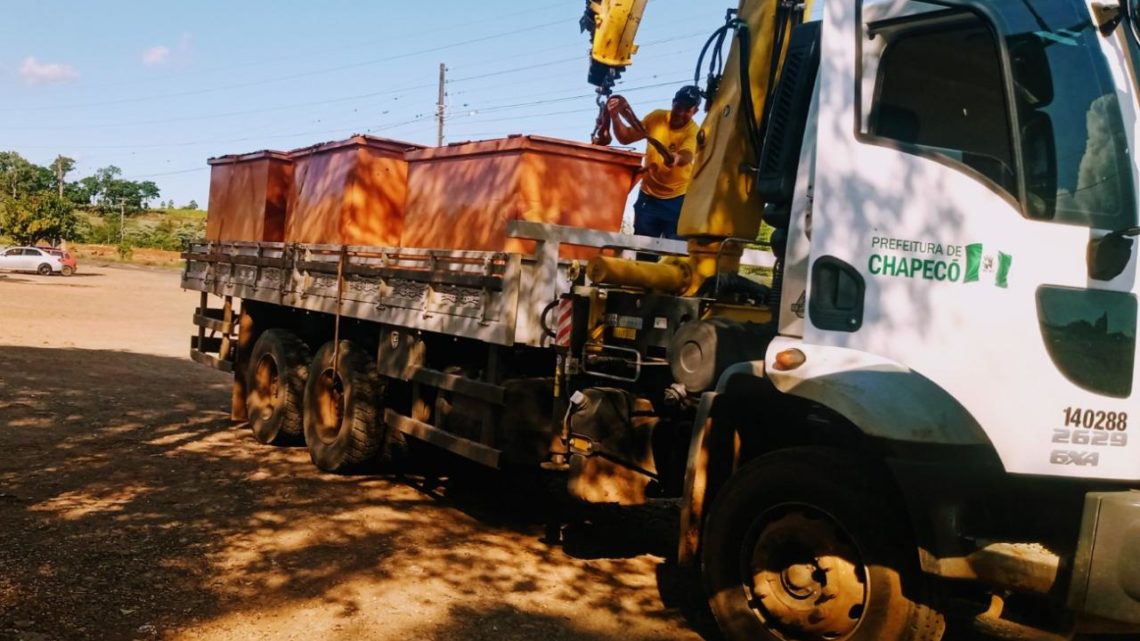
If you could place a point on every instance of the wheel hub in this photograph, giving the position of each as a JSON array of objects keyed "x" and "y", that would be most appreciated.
[
  {"x": 267, "y": 386},
  {"x": 808, "y": 581},
  {"x": 330, "y": 405}
]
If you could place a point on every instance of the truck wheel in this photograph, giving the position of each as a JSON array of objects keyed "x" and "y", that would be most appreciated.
[
  {"x": 805, "y": 545},
  {"x": 279, "y": 369},
  {"x": 343, "y": 420}
]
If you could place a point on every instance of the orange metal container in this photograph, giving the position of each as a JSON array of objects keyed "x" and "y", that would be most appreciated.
[
  {"x": 463, "y": 196},
  {"x": 249, "y": 196},
  {"x": 349, "y": 192}
]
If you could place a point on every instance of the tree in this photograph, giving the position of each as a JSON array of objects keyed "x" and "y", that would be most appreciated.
[
  {"x": 43, "y": 216},
  {"x": 20, "y": 177},
  {"x": 60, "y": 167},
  {"x": 147, "y": 191},
  {"x": 105, "y": 189},
  {"x": 193, "y": 204},
  {"x": 109, "y": 191},
  {"x": 81, "y": 192}
]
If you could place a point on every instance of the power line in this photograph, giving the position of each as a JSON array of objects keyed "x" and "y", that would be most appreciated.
[
  {"x": 167, "y": 173},
  {"x": 467, "y": 113},
  {"x": 533, "y": 103},
  {"x": 498, "y": 18},
  {"x": 398, "y": 92},
  {"x": 305, "y": 74},
  {"x": 578, "y": 58},
  {"x": 224, "y": 115}
]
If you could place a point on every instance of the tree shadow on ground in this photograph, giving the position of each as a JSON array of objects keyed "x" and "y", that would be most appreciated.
[{"x": 131, "y": 508}]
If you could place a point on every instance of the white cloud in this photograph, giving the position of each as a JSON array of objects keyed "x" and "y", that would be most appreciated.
[
  {"x": 179, "y": 52},
  {"x": 42, "y": 73},
  {"x": 155, "y": 56}
]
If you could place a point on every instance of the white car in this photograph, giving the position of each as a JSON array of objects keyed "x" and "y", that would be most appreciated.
[{"x": 30, "y": 259}]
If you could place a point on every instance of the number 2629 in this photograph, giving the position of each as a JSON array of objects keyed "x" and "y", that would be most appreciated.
[{"x": 1081, "y": 437}]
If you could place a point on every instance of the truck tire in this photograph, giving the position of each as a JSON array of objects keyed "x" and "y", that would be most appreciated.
[
  {"x": 807, "y": 545},
  {"x": 279, "y": 369},
  {"x": 343, "y": 408}
]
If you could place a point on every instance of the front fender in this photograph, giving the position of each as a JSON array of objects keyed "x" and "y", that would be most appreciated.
[{"x": 881, "y": 397}]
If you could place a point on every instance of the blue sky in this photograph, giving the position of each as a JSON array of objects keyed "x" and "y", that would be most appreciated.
[{"x": 156, "y": 88}]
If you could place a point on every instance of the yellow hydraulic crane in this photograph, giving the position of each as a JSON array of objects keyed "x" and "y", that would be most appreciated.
[{"x": 721, "y": 208}]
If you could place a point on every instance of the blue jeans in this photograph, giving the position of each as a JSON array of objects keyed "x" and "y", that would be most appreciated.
[{"x": 657, "y": 217}]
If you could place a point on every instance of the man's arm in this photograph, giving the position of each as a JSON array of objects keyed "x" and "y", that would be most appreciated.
[
  {"x": 688, "y": 152},
  {"x": 626, "y": 133}
]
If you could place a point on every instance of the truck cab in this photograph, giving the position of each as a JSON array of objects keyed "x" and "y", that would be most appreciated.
[{"x": 950, "y": 336}]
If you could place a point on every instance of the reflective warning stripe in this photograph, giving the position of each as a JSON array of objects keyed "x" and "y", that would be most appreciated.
[{"x": 565, "y": 322}]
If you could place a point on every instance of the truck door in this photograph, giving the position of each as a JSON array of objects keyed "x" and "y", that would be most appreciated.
[{"x": 970, "y": 159}]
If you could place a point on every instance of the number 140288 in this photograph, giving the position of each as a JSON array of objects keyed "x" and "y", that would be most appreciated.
[{"x": 1096, "y": 419}]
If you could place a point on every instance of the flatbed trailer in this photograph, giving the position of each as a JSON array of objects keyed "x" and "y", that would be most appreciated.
[{"x": 458, "y": 332}]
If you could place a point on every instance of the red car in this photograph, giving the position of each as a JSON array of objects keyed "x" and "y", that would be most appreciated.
[{"x": 70, "y": 265}]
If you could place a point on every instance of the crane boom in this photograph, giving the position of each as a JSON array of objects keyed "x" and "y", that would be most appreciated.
[{"x": 721, "y": 202}]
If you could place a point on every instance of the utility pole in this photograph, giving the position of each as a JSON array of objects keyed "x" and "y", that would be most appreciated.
[
  {"x": 441, "y": 105},
  {"x": 122, "y": 215}
]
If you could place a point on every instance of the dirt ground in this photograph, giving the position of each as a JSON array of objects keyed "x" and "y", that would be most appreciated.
[
  {"x": 102, "y": 254},
  {"x": 130, "y": 507}
]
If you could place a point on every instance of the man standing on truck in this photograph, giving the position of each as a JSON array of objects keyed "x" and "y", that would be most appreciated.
[{"x": 672, "y": 143}]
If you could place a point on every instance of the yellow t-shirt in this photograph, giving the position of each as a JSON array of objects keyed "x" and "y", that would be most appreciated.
[{"x": 661, "y": 181}]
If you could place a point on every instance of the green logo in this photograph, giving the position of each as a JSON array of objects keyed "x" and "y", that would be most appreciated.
[{"x": 979, "y": 263}]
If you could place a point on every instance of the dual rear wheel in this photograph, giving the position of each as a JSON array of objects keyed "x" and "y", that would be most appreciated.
[
  {"x": 332, "y": 400},
  {"x": 278, "y": 373},
  {"x": 343, "y": 422}
]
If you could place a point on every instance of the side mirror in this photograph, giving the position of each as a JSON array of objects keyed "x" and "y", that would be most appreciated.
[
  {"x": 1108, "y": 256},
  {"x": 1039, "y": 164}
]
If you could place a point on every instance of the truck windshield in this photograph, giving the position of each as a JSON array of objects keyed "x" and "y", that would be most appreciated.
[
  {"x": 1134, "y": 18},
  {"x": 1073, "y": 144}
]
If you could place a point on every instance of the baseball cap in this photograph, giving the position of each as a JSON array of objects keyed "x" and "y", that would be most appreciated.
[{"x": 689, "y": 95}]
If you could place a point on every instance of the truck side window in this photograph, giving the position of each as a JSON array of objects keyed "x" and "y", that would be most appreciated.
[{"x": 939, "y": 92}]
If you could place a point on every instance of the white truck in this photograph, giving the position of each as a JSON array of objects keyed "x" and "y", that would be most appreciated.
[{"x": 924, "y": 427}]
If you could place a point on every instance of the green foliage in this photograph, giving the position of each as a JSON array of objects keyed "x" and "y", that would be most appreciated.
[
  {"x": 105, "y": 190},
  {"x": 125, "y": 250},
  {"x": 43, "y": 216},
  {"x": 109, "y": 192},
  {"x": 167, "y": 235},
  {"x": 60, "y": 168},
  {"x": 764, "y": 239},
  {"x": 193, "y": 204},
  {"x": 99, "y": 232},
  {"x": 152, "y": 230},
  {"x": 62, "y": 165},
  {"x": 18, "y": 177}
]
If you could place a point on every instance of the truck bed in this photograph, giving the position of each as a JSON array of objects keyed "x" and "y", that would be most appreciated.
[{"x": 494, "y": 297}]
